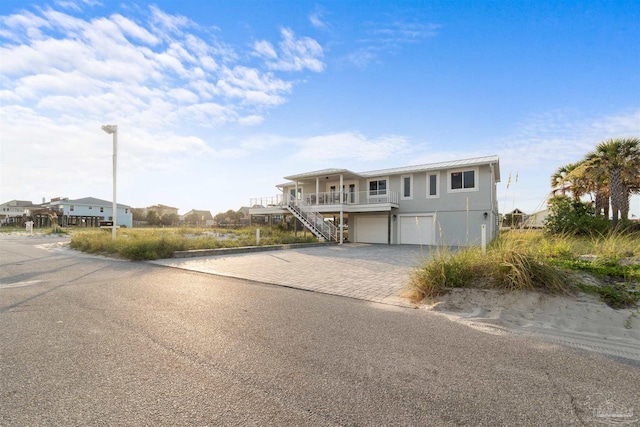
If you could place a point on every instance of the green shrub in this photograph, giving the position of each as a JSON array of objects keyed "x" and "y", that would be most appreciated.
[{"x": 574, "y": 217}]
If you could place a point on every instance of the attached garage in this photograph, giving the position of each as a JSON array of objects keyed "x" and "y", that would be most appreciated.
[
  {"x": 416, "y": 230},
  {"x": 372, "y": 229}
]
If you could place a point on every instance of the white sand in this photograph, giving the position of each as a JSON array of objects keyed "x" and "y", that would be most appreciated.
[{"x": 580, "y": 321}]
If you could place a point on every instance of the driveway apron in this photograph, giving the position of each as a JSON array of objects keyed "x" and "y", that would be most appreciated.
[{"x": 378, "y": 273}]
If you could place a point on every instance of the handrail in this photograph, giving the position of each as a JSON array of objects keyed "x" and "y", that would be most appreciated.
[
  {"x": 315, "y": 219},
  {"x": 354, "y": 198},
  {"x": 369, "y": 197}
]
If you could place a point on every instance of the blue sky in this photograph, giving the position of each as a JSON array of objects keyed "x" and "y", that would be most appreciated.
[{"x": 217, "y": 101}]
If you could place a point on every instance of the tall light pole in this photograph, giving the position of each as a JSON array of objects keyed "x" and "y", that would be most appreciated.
[{"x": 113, "y": 129}]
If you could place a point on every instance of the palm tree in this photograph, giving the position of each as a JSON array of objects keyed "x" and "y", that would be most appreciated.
[
  {"x": 570, "y": 178},
  {"x": 598, "y": 183},
  {"x": 618, "y": 161}
]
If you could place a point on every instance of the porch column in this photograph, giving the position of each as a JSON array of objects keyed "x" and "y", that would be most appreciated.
[
  {"x": 341, "y": 210},
  {"x": 295, "y": 196},
  {"x": 317, "y": 190}
]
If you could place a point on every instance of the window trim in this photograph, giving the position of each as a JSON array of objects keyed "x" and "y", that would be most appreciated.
[
  {"x": 476, "y": 183},
  {"x": 428, "y": 194},
  {"x": 378, "y": 179},
  {"x": 402, "y": 193}
]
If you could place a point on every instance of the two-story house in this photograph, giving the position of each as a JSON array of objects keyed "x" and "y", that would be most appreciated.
[
  {"x": 12, "y": 212},
  {"x": 89, "y": 212},
  {"x": 450, "y": 203}
]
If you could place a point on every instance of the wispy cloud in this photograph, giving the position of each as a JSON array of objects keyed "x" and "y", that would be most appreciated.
[
  {"x": 316, "y": 18},
  {"x": 293, "y": 54},
  {"x": 560, "y": 137},
  {"x": 388, "y": 37},
  {"x": 351, "y": 146}
]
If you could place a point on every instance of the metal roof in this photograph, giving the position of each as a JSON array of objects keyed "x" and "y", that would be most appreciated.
[
  {"x": 322, "y": 172},
  {"x": 476, "y": 161},
  {"x": 87, "y": 201},
  {"x": 451, "y": 164}
]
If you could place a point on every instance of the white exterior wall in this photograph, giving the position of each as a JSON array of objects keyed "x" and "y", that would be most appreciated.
[{"x": 125, "y": 216}]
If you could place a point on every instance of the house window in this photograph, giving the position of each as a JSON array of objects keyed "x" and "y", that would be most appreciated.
[
  {"x": 293, "y": 193},
  {"x": 378, "y": 187},
  {"x": 90, "y": 207},
  {"x": 71, "y": 208},
  {"x": 407, "y": 187},
  {"x": 433, "y": 183},
  {"x": 463, "y": 180},
  {"x": 126, "y": 211},
  {"x": 101, "y": 209}
]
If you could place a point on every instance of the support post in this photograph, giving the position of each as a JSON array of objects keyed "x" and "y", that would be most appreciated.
[
  {"x": 341, "y": 210},
  {"x": 115, "y": 169},
  {"x": 483, "y": 233}
]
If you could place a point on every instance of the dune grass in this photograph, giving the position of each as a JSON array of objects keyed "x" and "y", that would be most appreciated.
[
  {"x": 535, "y": 261},
  {"x": 155, "y": 243}
]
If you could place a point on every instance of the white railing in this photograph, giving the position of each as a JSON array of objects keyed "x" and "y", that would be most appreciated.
[
  {"x": 331, "y": 198},
  {"x": 352, "y": 198},
  {"x": 266, "y": 202},
  {"x": 326, "y": 228}
]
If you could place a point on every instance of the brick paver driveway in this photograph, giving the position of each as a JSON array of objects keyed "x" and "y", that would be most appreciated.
[{"x": 376, "y": 273}]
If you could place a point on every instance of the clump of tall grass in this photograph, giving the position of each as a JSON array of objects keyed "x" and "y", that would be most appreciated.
[
  {"x": 537, "y": 261},
  {"x": 509, "y": 264},
  {"x": 155, "y": 243}
]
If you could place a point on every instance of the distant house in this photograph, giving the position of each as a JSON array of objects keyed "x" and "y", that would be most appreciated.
[
  {"x": 513, "y": 219},
  {"x": 198, "y": 218},
  {"x": 450, "y": 203},
  {"x": 12, "y": 213},
  {"x": 536, "y": 219},
  {"x": 89, "y": 212},
  {"x": 161, "y": 210}
]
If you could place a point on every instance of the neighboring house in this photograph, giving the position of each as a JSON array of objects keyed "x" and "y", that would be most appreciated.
[
  {"x": 537, "y": 219},
  {"x": 447, "y": 203},
  {"x": 513, "y": 219},
  {"x": 12, "y": 212},
  {"x": 197, "y": 218},
  {"x": 161, "y": 210},
  {"x": 89, "y": 212}
]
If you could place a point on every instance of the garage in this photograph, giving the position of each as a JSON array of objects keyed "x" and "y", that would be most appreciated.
[
  {"x": 416, "y": 230},
  {"x": 372, "y": 229}
]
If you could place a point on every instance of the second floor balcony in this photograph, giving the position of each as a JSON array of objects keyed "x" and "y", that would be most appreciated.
[{"x": 325, "y": 201}]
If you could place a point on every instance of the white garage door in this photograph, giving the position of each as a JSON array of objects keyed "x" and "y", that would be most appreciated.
[
  {"x": 372, "y": 229},
  {"x": 416, "y": 230}
]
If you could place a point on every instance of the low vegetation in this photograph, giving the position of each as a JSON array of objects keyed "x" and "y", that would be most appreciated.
[
  {"x": 608, "y": 266},
  {"x": 155, "y": 243}
]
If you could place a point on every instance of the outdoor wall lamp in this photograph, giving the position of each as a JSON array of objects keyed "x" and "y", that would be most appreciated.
[
  {"x": 486, "y": 215},
  {"x": 394, "y": 216}
]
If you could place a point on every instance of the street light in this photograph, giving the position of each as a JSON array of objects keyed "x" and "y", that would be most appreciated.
[{"x": 113, "y": 129}]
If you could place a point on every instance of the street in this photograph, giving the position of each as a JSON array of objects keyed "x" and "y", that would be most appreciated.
[{"x": 88, "y": 340}]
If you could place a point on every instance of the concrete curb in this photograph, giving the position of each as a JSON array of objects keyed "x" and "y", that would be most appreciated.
[{"x": 245, "y": 249}]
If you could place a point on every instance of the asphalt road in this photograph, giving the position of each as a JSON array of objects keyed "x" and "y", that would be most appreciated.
[{"x": 92, "y": 341}]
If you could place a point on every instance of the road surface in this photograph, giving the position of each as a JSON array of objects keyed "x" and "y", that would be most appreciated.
[{"x": 88, "y": 340}]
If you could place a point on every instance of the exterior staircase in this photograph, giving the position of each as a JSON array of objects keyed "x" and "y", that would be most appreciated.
[{"x": 312, "y": 219}]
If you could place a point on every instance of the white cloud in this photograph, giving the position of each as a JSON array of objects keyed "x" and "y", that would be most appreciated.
[
  {"x": 294, "y": 54},
  {"x": 349, "y": 145},
  {"x": 251, "y": 120},
  {"x": 386, "y": 37},
  {"x": 165, "y": 81}
]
